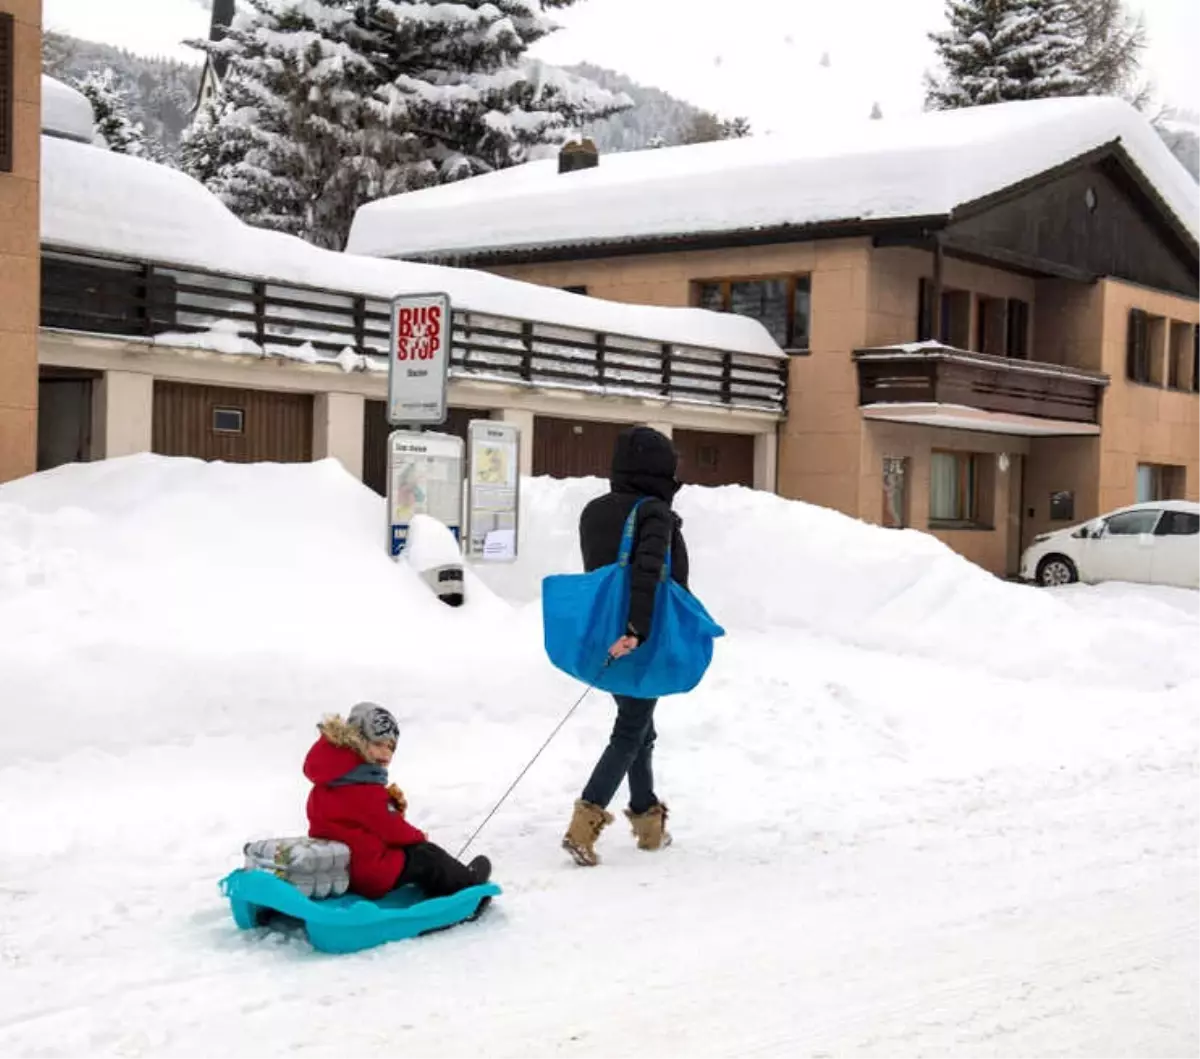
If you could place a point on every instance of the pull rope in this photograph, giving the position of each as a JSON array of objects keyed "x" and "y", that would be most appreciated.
[{"x": 513, "y": 786}]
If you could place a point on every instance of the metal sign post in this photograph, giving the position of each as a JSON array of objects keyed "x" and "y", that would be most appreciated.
[
  {"x": 493, "y": 490},
  {"x": 419, "y": 361},
  {"x": 425, "y": 473}
]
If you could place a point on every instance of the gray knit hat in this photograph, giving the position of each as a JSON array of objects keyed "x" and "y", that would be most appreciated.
[{"x": 375, "y": 723}]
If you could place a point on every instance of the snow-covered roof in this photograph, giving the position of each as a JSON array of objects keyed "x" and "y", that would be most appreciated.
[
  {"x": 926, "y": 165},
  {"x": 101, "y": 202},
  {"x": 66, "y": 112}
]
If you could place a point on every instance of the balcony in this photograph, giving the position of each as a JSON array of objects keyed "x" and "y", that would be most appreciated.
[
  {"x": 194, "y": 308},
  {"x": 934, "y": 385}
]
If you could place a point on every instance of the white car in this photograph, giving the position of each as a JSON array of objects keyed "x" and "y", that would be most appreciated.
[{"x": 1155, "y": 544}]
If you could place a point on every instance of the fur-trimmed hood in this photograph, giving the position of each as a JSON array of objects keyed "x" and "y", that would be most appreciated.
[
  {"x": 339, "y": 750},
  {"x": 341, "y": 732}
]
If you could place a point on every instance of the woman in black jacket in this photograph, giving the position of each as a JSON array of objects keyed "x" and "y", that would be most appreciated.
[{"x": 644, "y": 465}]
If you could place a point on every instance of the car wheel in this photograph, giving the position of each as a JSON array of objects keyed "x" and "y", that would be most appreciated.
[{"x": 1056, "y": 570}]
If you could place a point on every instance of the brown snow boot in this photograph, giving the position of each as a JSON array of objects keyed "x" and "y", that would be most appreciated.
[
  {"x": 583, "y": 831},
  {"x": 650, "y": 827}
]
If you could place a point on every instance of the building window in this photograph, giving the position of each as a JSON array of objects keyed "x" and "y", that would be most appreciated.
[
  {"x": 228, "y": 421},
  {"x": 708, "y": 457},
  {"x": 1137, "y": 347},
  {"x": 7, "y": 65},
  {"x": 1145, "y": 348},
  {"x": 1180, "y": 372},
  {"x": 1002, "y": 327},
  {"x": 1196, "y": 359},
  {"x": 959, "y": 489},
  {"x": 1017, "y": 345},
  {"x": 1159, "y": 481},
  {"x": 783, "y": 305}
]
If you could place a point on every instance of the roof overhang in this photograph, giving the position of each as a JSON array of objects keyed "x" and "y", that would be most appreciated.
[
  {"x": 898, "y": 228},
  {"x": 959, "y": 417}
]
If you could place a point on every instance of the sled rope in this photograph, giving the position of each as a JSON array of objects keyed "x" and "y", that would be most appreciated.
[{"x": 513, "y": 786}]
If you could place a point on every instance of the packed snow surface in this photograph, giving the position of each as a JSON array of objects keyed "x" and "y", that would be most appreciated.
[
  {"x": 920, "y": 166},
  {"x": 115, "y": 205},
  {"x": 916, "y": 810}
]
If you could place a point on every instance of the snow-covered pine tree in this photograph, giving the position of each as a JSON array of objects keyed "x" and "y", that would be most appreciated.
[
  {"x": 1000, "y": 50},
  {"x": 202, "y": 146},
  {"x": 876, "y": 111},
  {"x": 456, "y": 81},
  {"x": 284, "y": 143},
  {"x": 327, "y": 104},
  {"x": 110, "y": 107}
]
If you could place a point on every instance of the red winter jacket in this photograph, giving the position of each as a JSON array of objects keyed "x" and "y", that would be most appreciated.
[{"x": 362, "y": 815}]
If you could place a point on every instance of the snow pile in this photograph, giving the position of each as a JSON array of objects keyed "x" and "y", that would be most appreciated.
[
  {"x": 918, "y": 166},
  {"x": 169, "y": 557},
  {"x": 107, "y": 203},
  {"x": 66, "y": 112},
  {"x": 170, "y": 631},
  {"x": 763, "y": 563}
]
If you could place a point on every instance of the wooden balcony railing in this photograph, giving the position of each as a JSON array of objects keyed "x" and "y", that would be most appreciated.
[
  {"x": 933, "y": 374},
  {"x": 132, "y": 299}
]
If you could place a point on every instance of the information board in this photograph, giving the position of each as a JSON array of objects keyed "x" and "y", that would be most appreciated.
[
  {"x": 419, "y": 360},
  {"x": 493, "y": 490},
  {"x": 424, "y": 477}
]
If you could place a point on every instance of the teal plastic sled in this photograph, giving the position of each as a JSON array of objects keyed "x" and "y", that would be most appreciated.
[{"x": 349, "y": 923}]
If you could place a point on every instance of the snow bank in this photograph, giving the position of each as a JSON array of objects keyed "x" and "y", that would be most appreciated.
[
  {"x": 106, "y": 203},
  {"x": 766, "y": 564},
  {"x": 924, "y": 165},
  {"x": 66, "y": 112}
]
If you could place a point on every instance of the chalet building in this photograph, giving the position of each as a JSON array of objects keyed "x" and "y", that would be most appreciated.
[
  {"x": 20, "y": 106},
  {"x": 990, "y": 314},
  {"x": 167, "y": 325}
]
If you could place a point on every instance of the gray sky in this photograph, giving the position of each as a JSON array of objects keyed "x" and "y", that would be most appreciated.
[{"x": 768, "y": 65}]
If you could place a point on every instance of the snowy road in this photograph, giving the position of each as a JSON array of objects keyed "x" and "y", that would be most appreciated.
[{"x": 877, "y": 853}]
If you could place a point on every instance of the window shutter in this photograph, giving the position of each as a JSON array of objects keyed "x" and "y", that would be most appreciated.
[{"x": 7, "y": 63}]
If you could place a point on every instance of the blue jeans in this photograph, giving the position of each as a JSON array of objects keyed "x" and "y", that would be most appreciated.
[{"x": 629, "y": 753}]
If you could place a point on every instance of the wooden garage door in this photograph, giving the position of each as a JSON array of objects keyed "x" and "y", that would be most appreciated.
[
  {"x": 568, "y": 448},
  {"x": 376, "y": 429},
  {"x": 711, "y": 458},
  {"x": 238, "y": 426}
]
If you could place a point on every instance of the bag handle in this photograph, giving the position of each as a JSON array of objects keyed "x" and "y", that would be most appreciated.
[{"x": 627, "y": 543}]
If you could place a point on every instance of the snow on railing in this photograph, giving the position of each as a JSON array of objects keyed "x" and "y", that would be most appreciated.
[{"x": 104, "y": 296}]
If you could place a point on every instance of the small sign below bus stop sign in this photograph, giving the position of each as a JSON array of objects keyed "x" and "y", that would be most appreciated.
[
  {"x": 419, "y": 359},
  {"x": 425, "y": 476},
  {"x": 493, "y": 490}
]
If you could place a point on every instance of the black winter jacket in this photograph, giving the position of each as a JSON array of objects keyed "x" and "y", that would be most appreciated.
[{"x": 644, "y": 465}]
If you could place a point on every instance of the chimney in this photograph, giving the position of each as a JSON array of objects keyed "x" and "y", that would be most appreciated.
[
  {"x": 578, "y": 154},
  {"x": 222, "y": 18}
]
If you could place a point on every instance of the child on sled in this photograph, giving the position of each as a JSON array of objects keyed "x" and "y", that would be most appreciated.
[{"x": 353, "y": 803}]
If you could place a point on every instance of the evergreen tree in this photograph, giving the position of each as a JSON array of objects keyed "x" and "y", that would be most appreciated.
[
  {"x": 327, "y": 104},
  {"x": 1110, "y": 42},
  {"x": 876, "y": 112},
  {"x": 201, "y": 148},
  {"x": 1000, "y": 50},
  {"x": 456, "y": 79},
  {"x": 280, "y": 144},
  {"x": 110, "y": 107},
  {"x": 707, "y": 127}
]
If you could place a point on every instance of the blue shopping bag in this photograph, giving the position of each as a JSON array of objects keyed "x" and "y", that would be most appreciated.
[{"x": 583, "y": 615}]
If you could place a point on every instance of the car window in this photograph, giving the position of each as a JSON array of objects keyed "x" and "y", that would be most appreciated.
[
  {"x": 1132, "y": 523},
  {"x": 1178, "y": 524}
]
